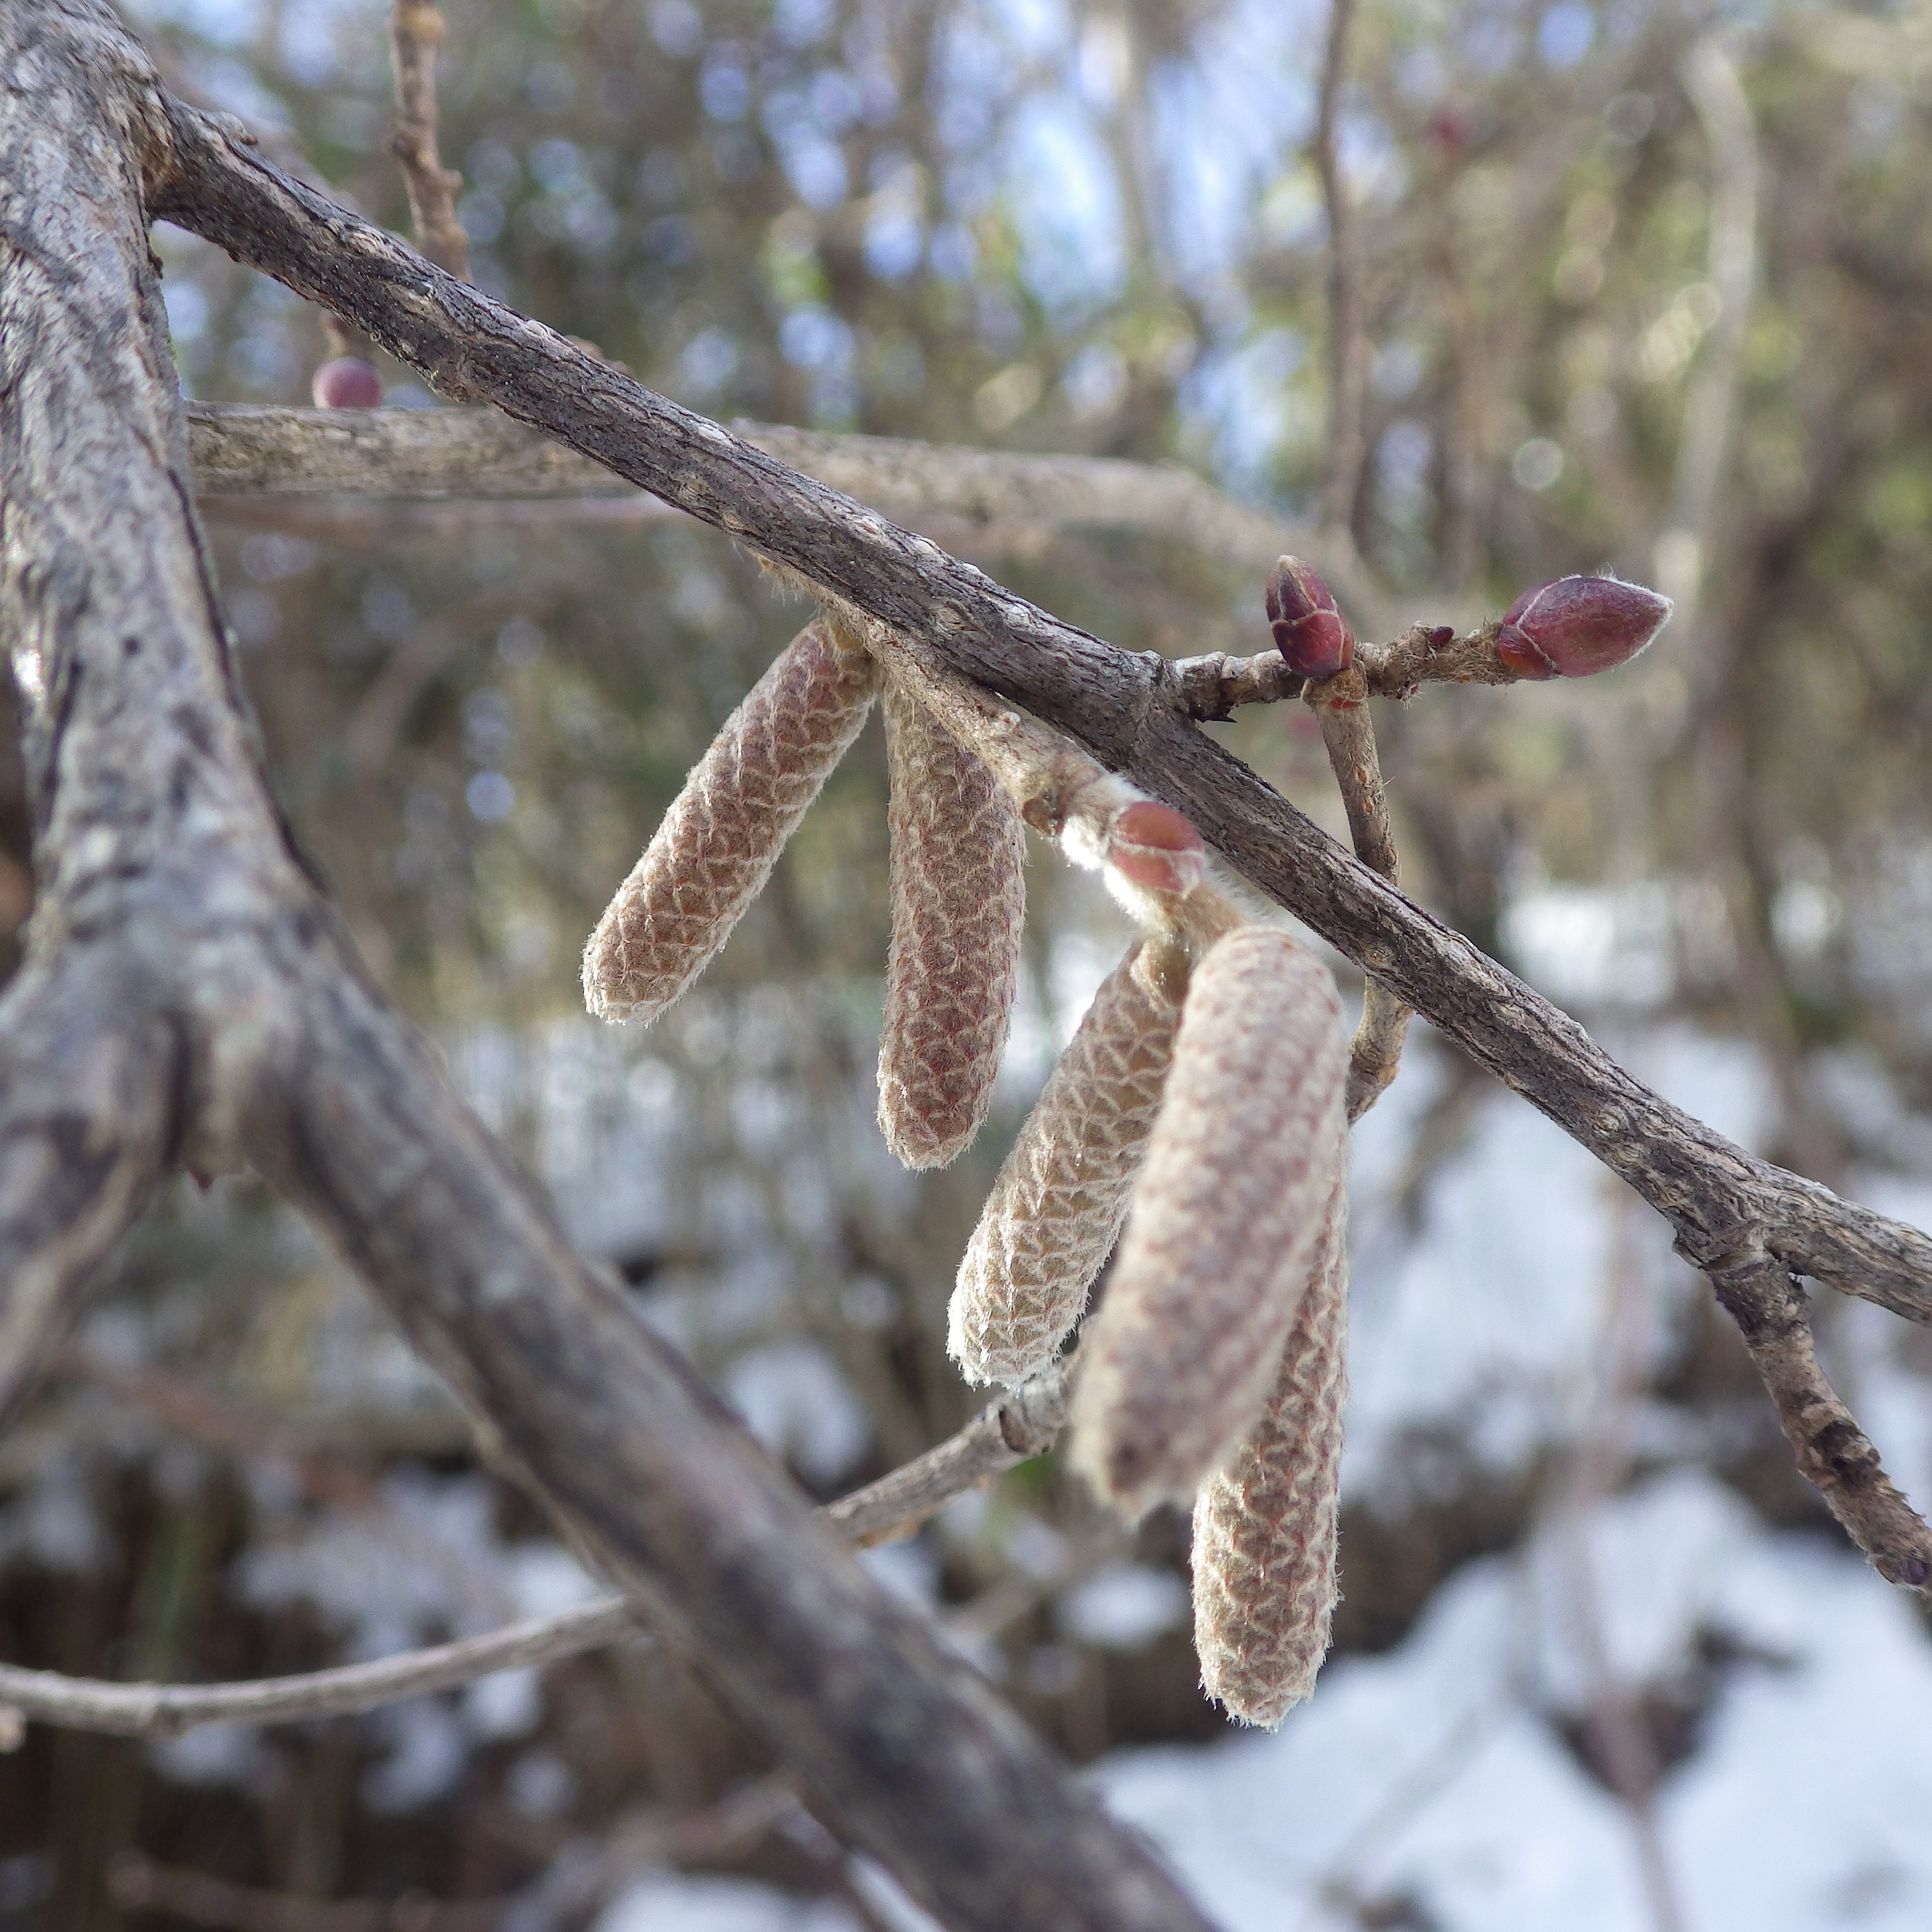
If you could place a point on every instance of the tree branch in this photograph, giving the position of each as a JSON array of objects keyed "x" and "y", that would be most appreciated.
[
  {"x": 1347, "y": 358},
  {"x": 1720, "y": 1200},
  {"x": 481, "y": 455},
  {"x": 415, "y": 33},
  {"x": 1833, "y": 1453},
  {"x": 159, "y": 851},
  {"x": 1023, "y": 1424}
]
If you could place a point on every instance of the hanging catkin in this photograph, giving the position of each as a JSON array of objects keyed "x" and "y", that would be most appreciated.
[
  {"x": 1056, "y": 1207},
  {"x": 958, "y": 902},
  {"x": 1264, "y": 1527},
  {"x": 1224, "y": 1225},
  {"x": 725, "y": 830}
]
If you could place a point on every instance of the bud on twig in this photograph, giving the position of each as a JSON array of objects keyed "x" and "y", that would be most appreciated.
[
  {"x": 1578, "y": 626},
  {"x": 1154, "y": 847},
  {"x": 1309, "y": 630},
  {"x": 346, "y": 382},
  {"x": 724, "y": 831},
  {"x": 1056, "y": 1207},
  {"x": 959, "y": 900},
  {"x": 1264, "y": 1527},
  {"x": 1224, "y": 1226}
]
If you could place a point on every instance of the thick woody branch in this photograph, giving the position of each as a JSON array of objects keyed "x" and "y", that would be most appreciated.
[
  {"x": 482, "y": 455},
  {"x": 1021, "y": 1425},
  {"x": 86, "y": 1130},
  {"x": 157, "y": 844},
  {"x": 1717, "y": 1197},
  {"x": 415, "y": 33},
  {"x": 1833, "y": 1453}
]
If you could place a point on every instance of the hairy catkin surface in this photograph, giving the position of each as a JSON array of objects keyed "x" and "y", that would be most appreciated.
[
  {"x": 1224, "y": 1225},
  {"x": 959, "y": 900},
  {"x": 1265, "y": 1526},
  {"x": 1056, "y": 1207},
  {"x": 725, "y": 830}
]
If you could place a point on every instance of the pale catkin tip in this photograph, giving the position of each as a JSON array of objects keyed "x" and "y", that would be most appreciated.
[
  {"x": 725, "y": 830},
  {"x": 1265, "y": 1527},
  {"x": 1056, "y": 1207},
  {"x": 959, "y": 909},
  {"x": 1223, "y": 1229}
]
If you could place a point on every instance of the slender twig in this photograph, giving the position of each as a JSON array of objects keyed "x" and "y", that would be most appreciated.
[
  {"x": 415, "y": 32},
  {"x": 1212, "y": 686},
  {"x": 1023, "y": 1424},
  {"x": 1711, "y": 79},
  {"x": 1349, "y": 736},
  {"x": 1347, "y": 358},
  {"x": 1763, "y": 1297}
]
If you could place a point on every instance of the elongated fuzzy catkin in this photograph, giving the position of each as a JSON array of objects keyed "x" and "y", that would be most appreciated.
[
  {"x": 1224, "y": 1225},
  {"x": 1265, "y": 1526},
  {"x": 958, "y": 899},
  {"x": 725, "y": 830},
  {"x": 1056, "y": 1207}
]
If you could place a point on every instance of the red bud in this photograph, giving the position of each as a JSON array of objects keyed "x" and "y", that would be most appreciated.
[
  {"x": 1309, "y": 630},
  {"x": 1579, "y": 625},
  {"x": 348, "y": 382},
  {"x": 1154, "y": 846}
]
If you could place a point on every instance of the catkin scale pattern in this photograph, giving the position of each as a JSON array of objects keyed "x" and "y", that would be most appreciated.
[
  {"x": 959, "y": 906},
  {"x": 1057, "y": 1206},
  {"x": 1223, "y": 1231},
  {"x": 1264, "y": 1527},
  {"x": 725, "y": 830}
]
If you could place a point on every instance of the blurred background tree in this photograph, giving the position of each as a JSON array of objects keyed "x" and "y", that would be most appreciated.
[{"x": 1642, "y": 287}]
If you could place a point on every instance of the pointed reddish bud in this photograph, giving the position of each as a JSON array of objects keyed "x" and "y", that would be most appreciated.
[
  {"x": 1154, "y": 846},
  {"x": 1579, "y": 625},
  {"x": 348, "y": 382},
  {"x": 1309, "y": 631}
]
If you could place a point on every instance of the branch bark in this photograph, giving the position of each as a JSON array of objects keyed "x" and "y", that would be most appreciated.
[
  {"x": 240, "y": 451},
  {"x": 162, "y": 862},
  {"x": 1721, "y": 1201}
]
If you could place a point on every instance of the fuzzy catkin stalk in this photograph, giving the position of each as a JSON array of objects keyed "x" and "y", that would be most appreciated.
[
  {"x": 1056, "y": 1207},
  {"x": 1264, "y": 1527},
  {"x": 958, "y": 904},
  {"x": 725, "y": 830},
  {"x": 1224, "y": 1224}
]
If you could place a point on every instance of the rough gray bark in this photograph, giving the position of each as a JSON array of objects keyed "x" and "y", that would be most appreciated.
[
  {"x": 234, "y": 1023},
  {"x": 1721, "y": 1201}
]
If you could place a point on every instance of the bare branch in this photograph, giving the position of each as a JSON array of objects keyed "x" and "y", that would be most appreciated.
[
  {"x": 480, "y": 456},
  {"x": 1347, "y": 347},
  {"x": 86, "y": 1133},
  {"x": 1349, "y": 734},
  {"x": 1761, "y": 1295},
  {"x": 415, "y": 33},
  {"x": 159, "y": 849},
  {"x": 1710, "y": 77},
  {"x": 1023, "y": 1424},
  {"x": 166, "y": 1710}
]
